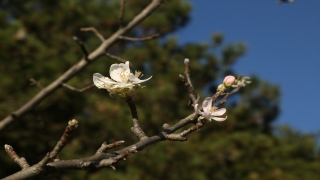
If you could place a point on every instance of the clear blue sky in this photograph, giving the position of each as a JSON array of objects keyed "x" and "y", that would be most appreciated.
[{"x": 283, "y": 48}]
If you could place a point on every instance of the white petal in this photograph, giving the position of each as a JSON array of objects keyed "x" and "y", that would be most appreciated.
[
  {"x": 99, "y": 77},
  {"x": 218, "y": 112},
  {"x": 115, "y": 71},
  {"x": 207, "y": 104},
  {"x": 101, "y": 81},
  {"x": 219, "y": 118},
  {"x": 196, "y": 109},
  {"x": 126, "y": 68},
  {"x": 135, "y": 80},
  {"x": 206, "y": 115}
]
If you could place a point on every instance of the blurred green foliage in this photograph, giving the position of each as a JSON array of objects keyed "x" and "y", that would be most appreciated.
[{"x": 246, "y": 146}]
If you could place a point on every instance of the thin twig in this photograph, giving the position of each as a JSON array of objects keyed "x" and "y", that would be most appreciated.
[
  {"x": 216, "y": 95},
  {"x": 193, "y": 128},
  {"x": 35, "y": 82},
  {"x": 78, "y": 90},
  {"x": 83, "y": 48},
  {"x": 139, "y": 39},
  {"x": 105, "y": 146},
  {"x": 224, "y": 99},
  {"x": 118, "y": 59},
  {"x": 21, "y": 161},
  {"x": 194, "y": 97},
  {"x": 175, "y": 137},
  {"x": 94, "y": 30},
  {"x": 72, "y": 125},
  {"x": 122, "y": 3},
  {"x": 136, "y": 129}
]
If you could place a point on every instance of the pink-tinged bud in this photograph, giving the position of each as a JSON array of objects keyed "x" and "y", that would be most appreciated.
[{"x": 229, "y": 80}]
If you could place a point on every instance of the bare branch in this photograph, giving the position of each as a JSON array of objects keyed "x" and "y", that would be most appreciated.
[
  {"x": 175, "y": 137},
  {"x": 75, "y": 69},
  {"x": 136, "y": 129},
  {"x": 72, "y": 125},
  {"x": 21, "y": 161},
  {"x": 35, "y": 82},
  {"x": 117, "y": 58},
  {"x": 139, "y": 39},
  {"x": 94, "y": 30},
  {"x": 194, "y": 97},
  {"x": 193, "y": 128},
  {"x": 106, "y": 146},
  {"x": 216, "y": 95},
  {"x": 224, "y": 99},
  {"x": 122, "y": 3},
  {"x": 78, "y": 90},
  {"x": 100, "y": 159},
  {"x": 83, "y": 49}
]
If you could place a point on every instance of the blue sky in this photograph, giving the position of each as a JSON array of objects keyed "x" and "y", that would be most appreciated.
[{"x": 283, "y": 48}]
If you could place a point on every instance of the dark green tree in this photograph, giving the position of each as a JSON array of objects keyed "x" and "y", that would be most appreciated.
[{"x": 36, "y": 43}]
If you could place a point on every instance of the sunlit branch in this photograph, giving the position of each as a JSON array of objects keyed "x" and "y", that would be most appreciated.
[
  {"x": 106, "y": 146},
  {"x": 139, "y": 39}
]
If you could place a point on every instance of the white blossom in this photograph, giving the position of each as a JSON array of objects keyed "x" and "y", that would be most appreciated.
[
  {"x": 122, "y": 80},
  {"x": 209, "y": 112}
]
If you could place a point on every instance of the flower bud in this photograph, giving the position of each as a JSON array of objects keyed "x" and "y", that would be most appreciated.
[
  {"x": 229, "y": 81},
  {"x": 221, "y": 88}
]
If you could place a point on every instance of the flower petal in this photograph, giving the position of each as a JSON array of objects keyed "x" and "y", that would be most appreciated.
[
  {"x": 125, "y": 69},
  {"x": 219, "y": 118},
  {"x": 135, "y": 80},
  {"x": 207, "y": 104},
  {"x": 102, "y": 82},
  {"x": 218, "y": 112},
  {"x": 206, "y": 115},
  {"x": 115, "y": 71},
  {"x": 196, "y": 109}
]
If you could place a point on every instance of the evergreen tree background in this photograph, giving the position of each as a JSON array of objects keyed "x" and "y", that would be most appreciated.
[{"x": 246, "y": 146}]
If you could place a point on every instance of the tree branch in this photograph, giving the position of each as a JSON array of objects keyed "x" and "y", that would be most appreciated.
[
  {"x": 78, "y": 90},
  {"x": 106, "y": 146},
  {"x": 35, "y": 82},
  {"x": 224, "y": 99},
  {"x": 21, "y": 161},
  {"x": 94, "y": 30},
  {"x": 117, "y": 58},
  {"x": 83, "y": 49},
  {"x": 75, "y": 69},
  {"x": 139, "y": 39},
  {"x": 136, "y": 129},
  {"x": 101, "y": 159},
  {"x": 188, "y": 83},
  {"x": 122, "y": 3}
]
